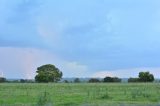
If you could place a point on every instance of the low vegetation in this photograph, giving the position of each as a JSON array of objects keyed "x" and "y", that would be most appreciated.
[{"x": 79, "y": 94}]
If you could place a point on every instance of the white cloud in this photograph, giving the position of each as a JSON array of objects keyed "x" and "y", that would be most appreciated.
[
  {"x": 102, "y": 74},
  {"x": 75, "y": 69},
  {"x": 1, "y": 73},
  {"x": 126, "y": 73}
]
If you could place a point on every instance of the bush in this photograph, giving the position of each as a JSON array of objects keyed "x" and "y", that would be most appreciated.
[
  {"x": 22, "y": 81},
  {"x": 94, "y": 80},
  {"x": 26, "y": 81},
  {"x": 66, "y": 81},
  {"x": 112, "y": 79},
  {"x": 77, "y": 80},
  {"x": 2, "y": 79}
]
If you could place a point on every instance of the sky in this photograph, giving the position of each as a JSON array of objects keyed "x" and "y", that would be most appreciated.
[{"x": 83, "y": 38}]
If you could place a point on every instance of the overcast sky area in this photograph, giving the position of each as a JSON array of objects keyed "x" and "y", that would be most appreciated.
[{"x": 83, "y": 38}]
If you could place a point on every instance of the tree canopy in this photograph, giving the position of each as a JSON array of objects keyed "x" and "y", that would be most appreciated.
[
  {"x": 48, "y": 73},
  {"x": 143, "y": 77},
  {"x": 94, "y": 80},
  {"x": 112, "y": 79},
  {"x": 77, "y": 80},
  {"x": 2, "y": 79},
  {"x": 146, "y": 77}
]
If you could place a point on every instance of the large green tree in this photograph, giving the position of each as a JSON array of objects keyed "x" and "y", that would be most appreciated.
[
  {"x": 48, "y": 73},
  {"x": 146, "y": 77}
]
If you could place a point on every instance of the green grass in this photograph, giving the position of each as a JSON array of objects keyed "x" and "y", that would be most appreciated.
[{"x": 83, "y": 94}]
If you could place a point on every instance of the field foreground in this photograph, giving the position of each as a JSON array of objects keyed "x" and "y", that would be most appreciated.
[{"x": 82, "y": 94}]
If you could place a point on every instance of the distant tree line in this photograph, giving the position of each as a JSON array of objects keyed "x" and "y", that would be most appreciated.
[
  {"x": 143, "y": 77},
  {"x": 50, "y": 73}
]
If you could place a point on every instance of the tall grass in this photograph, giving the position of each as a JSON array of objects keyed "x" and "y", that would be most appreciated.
[
  {"x": 83, "y": 94},
  {"x": 44, "y": 99}
]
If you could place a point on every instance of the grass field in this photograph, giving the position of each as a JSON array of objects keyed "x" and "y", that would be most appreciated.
[{"x": 82, "y": 94}]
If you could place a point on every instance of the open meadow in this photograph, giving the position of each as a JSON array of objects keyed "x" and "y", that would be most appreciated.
[{"x": 80, "y": 94}]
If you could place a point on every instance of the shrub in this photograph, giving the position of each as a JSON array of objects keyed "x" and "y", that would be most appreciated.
[
  {"x": 94, "y": 80},
  {"x": 112, "y": 79},
  {"x": 2, "y": 79},
  {"x": 66, "y": 81},
  {"x": 77, "y": 80}
]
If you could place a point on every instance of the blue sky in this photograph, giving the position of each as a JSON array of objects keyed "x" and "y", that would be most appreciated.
[{"x": 83, "y": 38}]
